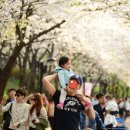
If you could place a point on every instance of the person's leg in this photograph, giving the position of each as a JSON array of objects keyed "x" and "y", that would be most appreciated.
[
  {"x": 86, "y": 104},
  {"x": 62, "y": 99}
]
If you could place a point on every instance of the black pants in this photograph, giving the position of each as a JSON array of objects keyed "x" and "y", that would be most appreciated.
[
  {"x": 51, "y": 120},
  {"x": 30, "y": 128}
]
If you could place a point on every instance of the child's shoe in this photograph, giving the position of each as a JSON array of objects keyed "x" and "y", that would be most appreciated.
[{"x": 60, "y": 106}]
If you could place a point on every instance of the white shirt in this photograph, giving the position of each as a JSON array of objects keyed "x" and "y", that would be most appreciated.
[
  {"x": 111, "y": 106},
  {"x": 111, "y": 119},
  {"x": 127, "y": 106}
]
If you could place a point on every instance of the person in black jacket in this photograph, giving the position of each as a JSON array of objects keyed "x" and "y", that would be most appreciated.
[
  {"x": 100, "y": 107},
  {"x": 11, "y": 94}
]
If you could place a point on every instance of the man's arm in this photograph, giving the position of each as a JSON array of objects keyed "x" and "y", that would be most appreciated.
[
  {"x": 90, "y": 113},
  {"x": 48, "y": 85}
]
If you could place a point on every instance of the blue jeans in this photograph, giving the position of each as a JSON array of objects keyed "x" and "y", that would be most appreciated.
[{"x": 82, "y": 120}]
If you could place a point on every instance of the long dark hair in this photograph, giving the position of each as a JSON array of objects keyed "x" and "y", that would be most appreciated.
[{"x": 38, "y": 104}]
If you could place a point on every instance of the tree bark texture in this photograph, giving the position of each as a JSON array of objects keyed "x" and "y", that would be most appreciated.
[{"x": 4, "y": 75}]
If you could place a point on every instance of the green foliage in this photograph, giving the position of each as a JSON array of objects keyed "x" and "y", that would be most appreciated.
[
  {"x": 12, "y": 83},
  {"x": 16, "y": 73},
  {"x": 119, "y": 89},
  {"x": 96, "y": 90}
]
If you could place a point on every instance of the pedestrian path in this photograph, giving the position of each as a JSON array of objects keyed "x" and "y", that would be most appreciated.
[{"x": 127, "y": 122}]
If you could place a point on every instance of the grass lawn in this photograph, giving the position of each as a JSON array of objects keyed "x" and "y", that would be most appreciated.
[{"x": 12, "y": 83}]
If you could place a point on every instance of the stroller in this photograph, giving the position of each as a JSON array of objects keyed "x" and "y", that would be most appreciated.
[{"x": 121, "y": 124}]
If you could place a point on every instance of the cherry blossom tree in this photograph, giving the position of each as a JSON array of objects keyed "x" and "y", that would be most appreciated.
[
  {"x": 18, "y": 19},
  {"x": 99, "y": 28}
]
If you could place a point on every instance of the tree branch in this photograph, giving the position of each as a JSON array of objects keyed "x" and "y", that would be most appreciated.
[{"x": 35, "y": 36}]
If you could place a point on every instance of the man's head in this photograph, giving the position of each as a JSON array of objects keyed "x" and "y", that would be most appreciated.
[
  {"x": 20, "y": 94},
  {"x": 109, "y": 97},
  {"x": 75, "y": 82},
  {"x": 101, "y": 98},
  {"x": 11, "y": 93}
]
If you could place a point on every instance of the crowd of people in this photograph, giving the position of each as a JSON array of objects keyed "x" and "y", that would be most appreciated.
[
  {"x": 66, "y": 109},
  {"x": 26, "y": 109},
  {"x": 111, "y": 109},
  {"x": 26, "y": 112}
]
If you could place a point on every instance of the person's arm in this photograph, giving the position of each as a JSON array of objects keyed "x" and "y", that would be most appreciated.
[
  {"x": 48, "y": 85},
  {"x": 89, "y": 111},
  {"x": 4, "y": 108},
  {"x": 28, "y": 97}
]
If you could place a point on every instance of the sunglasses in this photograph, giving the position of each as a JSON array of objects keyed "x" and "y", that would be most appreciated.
[{"x": 18, "y": 95}]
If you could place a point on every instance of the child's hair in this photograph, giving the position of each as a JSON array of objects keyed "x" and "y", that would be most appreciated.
[{"x": 63, "y": 60}]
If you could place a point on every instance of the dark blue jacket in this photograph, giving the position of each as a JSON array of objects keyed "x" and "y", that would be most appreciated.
[
  {"x": 100, "y": 111},
  {"x": 97, "y": 123}
]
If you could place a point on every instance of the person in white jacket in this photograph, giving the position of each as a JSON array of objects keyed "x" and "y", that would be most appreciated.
[
  {"x": 19, "y": 112},
  {"x": 111, "y": 112}
]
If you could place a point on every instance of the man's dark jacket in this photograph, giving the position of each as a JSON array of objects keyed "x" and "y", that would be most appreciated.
[{"x": 100, "y": 111}]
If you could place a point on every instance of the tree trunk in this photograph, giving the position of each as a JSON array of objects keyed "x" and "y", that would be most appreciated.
[
  {"x": 4, "y": 75},
  {"x": 23, "y": 67},
  {"x": 32, "y": 77}
]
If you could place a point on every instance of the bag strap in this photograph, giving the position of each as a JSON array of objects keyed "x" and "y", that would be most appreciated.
[{"x": 10, "y": 109}]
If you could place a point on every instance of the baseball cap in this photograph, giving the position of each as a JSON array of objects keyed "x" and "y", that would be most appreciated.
[{"x": 73, "y": 78}]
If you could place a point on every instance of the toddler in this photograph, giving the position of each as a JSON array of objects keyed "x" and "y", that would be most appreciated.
[{"x": 64, "y": 73}]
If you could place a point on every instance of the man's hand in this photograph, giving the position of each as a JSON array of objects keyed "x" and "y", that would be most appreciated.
[
  {"x": 3, "y": 101},
  {"x": 15, "y": 125},
  {"x": 83, "y": 98}
]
